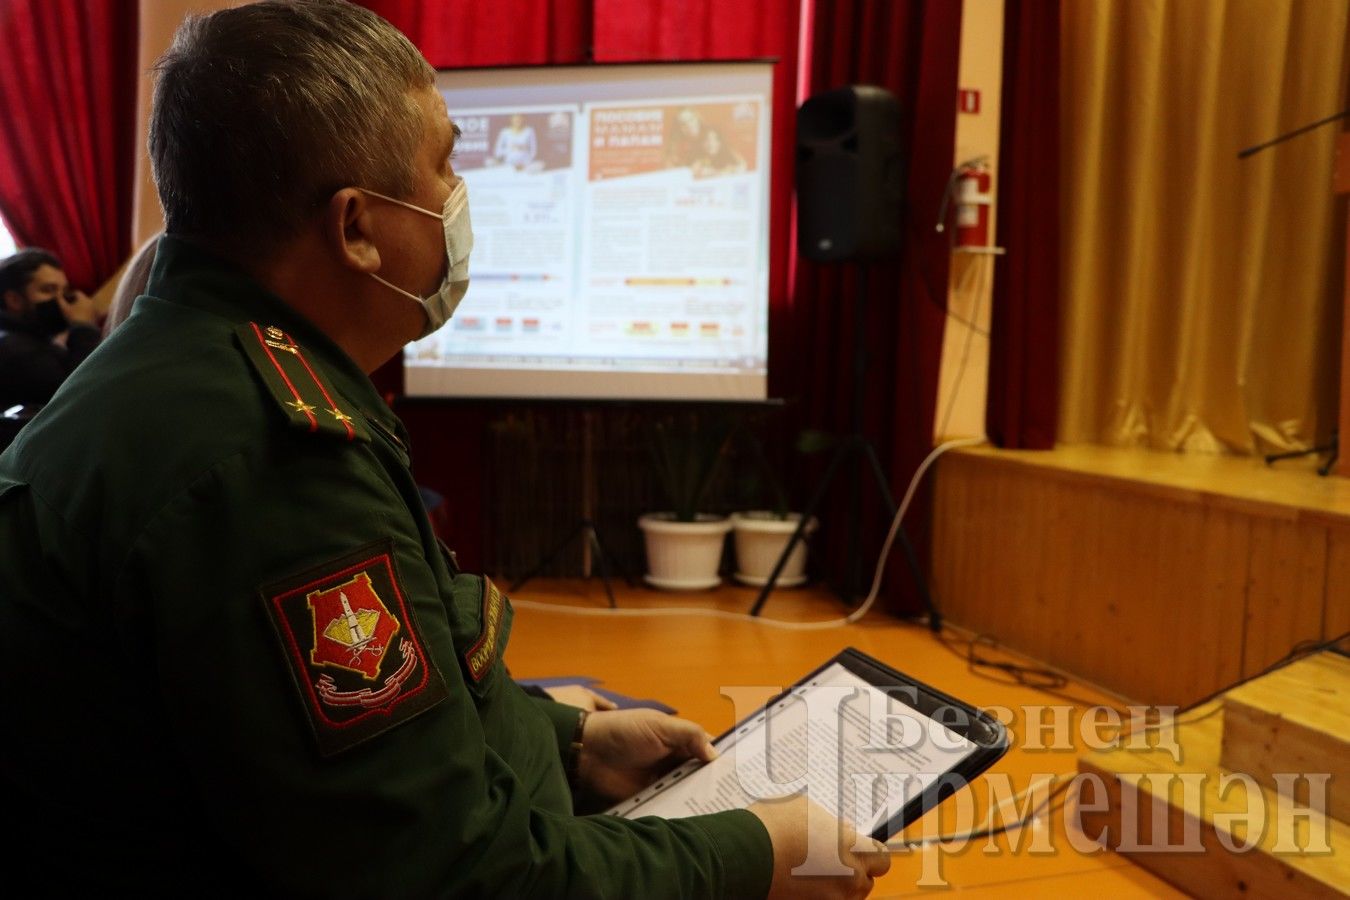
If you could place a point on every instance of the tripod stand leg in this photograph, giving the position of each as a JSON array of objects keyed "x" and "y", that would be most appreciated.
[
  {"x": 796, "y": 538},
  {"x": 880, "y": 477},
  {"x": 594, "y": 539},
  {"x": 934, "y": 618},
  {"x": 614, "y": 560},
  {"x": 1331, "y": 460},
  {"x": 547, "y": 560}
]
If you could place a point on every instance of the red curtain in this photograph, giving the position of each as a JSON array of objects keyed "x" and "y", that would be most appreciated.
[
  {"x": 1023, "y": 401},
  {"x": 461, "y": 33},
  {"x": 67, "y": 136},
  {"x": 911, "y": 48}
]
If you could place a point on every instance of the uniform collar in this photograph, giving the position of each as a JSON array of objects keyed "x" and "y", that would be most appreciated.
[{"x": 185, "y": 273}]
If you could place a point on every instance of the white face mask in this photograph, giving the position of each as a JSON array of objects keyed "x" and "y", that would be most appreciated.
[{"x": 454, "y": 217}]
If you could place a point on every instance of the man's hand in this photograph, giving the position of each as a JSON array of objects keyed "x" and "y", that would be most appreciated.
[
  {"x": 624, "y": 750},
  {"x": 78, "y": 308},
  {"x": 796, "y": 826}
]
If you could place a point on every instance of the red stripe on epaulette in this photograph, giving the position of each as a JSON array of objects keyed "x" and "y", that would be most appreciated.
[
  {"x": 351, "y": 432},
  {"x": 262, "y": 342}
]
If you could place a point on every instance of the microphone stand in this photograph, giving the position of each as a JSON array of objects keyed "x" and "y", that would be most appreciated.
[
  {"x": 1332, "y": 446},
  {"x": 1302, "y": 129}
]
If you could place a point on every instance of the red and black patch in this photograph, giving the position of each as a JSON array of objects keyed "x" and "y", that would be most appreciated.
[{"x": 352, "y": 645}]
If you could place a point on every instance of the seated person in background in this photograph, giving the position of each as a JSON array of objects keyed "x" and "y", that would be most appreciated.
[{"x": 47, "y": 328}]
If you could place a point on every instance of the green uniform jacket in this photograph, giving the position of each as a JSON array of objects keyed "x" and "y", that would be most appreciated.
[{"x": 235, "y": 652}]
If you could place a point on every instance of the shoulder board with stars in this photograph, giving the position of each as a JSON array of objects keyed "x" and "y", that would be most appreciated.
[{"x": 308, "y": 403}]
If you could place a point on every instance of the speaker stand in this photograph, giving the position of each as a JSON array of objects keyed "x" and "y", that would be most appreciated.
[
  {"x": 1333, "y": 447},
  {"x": 593, "y": 549},
  {"x": 854, "y": 449}
]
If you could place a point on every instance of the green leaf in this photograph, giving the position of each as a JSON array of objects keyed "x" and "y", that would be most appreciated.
[{"x": 685, "y": 458}]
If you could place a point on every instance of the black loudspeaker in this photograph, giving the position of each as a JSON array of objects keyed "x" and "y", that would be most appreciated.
[{"x": 850, "y": 175}]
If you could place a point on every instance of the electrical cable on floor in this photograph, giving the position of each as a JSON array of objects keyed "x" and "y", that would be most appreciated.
[
  {"x": 1039, "y": 678},
  {"x": 850, "y": 619},
  {"x": 1298, "y": 651}
]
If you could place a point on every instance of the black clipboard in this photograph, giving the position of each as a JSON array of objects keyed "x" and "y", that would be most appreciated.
[{"x": 986, "y": 736}]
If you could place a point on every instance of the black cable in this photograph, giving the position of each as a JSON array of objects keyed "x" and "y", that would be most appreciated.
[
  {"x": 1299, "y": 651},
  {"x": 924, "y": 282},
  {"x": 920, "y": 272},
  {"x": 1037, "y": 678}
]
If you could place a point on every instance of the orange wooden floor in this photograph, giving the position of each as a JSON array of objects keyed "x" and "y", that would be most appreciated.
[{"x": 685, "y": 661}]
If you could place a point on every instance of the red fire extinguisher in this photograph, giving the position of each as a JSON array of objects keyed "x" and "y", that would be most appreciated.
[
  {"x": 968, "y": 191},
  {"x": 972, "y": 207}
]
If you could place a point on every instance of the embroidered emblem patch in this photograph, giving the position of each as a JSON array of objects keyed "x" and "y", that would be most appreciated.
[
  {"x": 483, "y": 653},
  {"x": 353, "y": 648}
]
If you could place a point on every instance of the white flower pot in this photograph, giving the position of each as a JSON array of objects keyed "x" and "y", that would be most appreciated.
[
  {"x": 684, "y": 556},
  {"x": 760, "y": 539}
]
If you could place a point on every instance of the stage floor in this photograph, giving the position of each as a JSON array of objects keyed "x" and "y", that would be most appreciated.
[{"x": 686, "y": 660}]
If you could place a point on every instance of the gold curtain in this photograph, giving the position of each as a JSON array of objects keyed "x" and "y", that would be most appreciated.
[{"x": 1201, "y": 293}]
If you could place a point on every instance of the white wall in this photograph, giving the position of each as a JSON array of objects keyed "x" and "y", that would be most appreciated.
[
  {"x": 964, "y": 374},
  {"x": 159, "y": 21}
]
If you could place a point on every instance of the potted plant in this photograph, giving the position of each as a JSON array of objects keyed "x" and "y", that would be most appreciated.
[
  {"x": 761, "y": 535},
  {"x": 684, "y": 545}
]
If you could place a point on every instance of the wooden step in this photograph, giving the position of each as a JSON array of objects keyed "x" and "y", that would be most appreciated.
[
  {"x": 1296, "y": 719},
  {"x": 1179, "y": 812}
]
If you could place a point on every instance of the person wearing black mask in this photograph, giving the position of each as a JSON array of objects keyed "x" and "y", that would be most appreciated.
[{"x": 46, "y": 328}]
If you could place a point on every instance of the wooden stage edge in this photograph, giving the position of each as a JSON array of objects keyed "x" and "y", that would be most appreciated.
[{"x": 1161, "y": 577}]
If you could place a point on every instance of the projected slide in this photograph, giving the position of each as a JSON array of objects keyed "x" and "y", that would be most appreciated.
[{"x": 620, "y": 218}]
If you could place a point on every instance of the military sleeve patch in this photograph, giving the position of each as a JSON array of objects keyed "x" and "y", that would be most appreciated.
[
  {"x": 353, "y": 648},
  {"x": 480, "y": 657}
]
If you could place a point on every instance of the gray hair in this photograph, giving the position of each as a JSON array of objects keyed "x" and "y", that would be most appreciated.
[{"x": 263, "y": 111}]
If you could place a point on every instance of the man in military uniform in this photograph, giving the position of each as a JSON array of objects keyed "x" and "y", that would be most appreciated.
[{"x": 236, "y": 658}]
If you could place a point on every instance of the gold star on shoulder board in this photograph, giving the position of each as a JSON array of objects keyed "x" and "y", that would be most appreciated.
[
  {"x": 340, "y": 415},
  {"x": 299, "y": 406}
]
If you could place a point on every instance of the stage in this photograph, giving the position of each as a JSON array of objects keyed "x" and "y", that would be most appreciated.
[{"x": 1158, "y": 576}]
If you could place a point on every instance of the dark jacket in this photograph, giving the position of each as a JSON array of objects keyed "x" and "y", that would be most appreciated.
[{"x": 32, "y": 367}]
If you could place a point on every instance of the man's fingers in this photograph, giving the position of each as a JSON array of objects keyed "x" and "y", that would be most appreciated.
[
  {"x": 601, "y": 701},
  {"x": 685, "y": 738}
]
